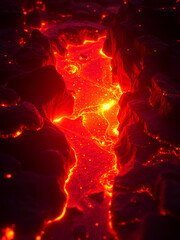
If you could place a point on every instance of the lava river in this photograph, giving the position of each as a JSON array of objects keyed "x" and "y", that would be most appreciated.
[{"x": 92, "y": 132}]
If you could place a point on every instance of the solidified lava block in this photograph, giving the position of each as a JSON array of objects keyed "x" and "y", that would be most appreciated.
[
  {"x": 28, "y": 4},
  {"x": 7, "y": 71},
  {"x": 90, "y": 11},
  {"x": 33, "y": 19},
  {"x": 134, "y": 145},
  {"x": 159, "y": 3},
  {"x": 31, "y": 56},
  {"x": 11, "y": 15},
  {"x": 35, "y": 53},
  {"x": 103, "y": 2},
  {"x": 32, "y": 145},
  {"x": 57, "y": 6},
  {"x": 9, "y": 166},
  {"x": 38, "y": 86},
  {"x": 165, "y": 98},
  {"x": 140, "y": 111},
  {"x": 133, "y": 199},
  {"x": 33, "y": 167},
  {"x": 128, "y": 31},
  {"x": 8, "y": 49},
  {"x": 143, "y": 176},
  {"x": 38, "y": 37},
  {"x": 15, "y": 119},
  {"x": 28, "y": 199},
  {"x": 170, "y": 197},
  {"x": 8, "y": 97},
  {"x": 144, "y": 43},
  {"x": 128, "y": 209},
  {"x": 158, "y": 227}
]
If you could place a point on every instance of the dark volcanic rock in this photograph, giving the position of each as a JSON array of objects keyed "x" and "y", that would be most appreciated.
[
  {"x": 87, "y": 11},
  {"x": 49, "y": 162},
  {"x": 165, "y": 98},
  {"x": 80, "y": 232},
  {"x": 127, "y": 206},
  {"x": 8, "y": 97},
  {"x": 30, "y": 145},
  {"x": 128, "y": 209},
  {"x": 27, "y": 199},
  {"x": 169, "y": 198},
  {"x": 33, "y": 19},
  {"x": 9, "y": 48},
  {"x": 38, "y": 37},
  {"x": 7, "y": 71},
  {"x": 142, "y": 41},
  {"x": 35, "y": 53},
  {"x": 57, "y": 6},
  {"x": 98, "y": 197},
  {"x": 134, "y": 145},
  {"x": 31, "y": 56},
  {"x": 15, "y": 119},
  {"x": 75, "y": 32},
  {"x": 158, "y": 227},
  {"x": 142, "y": 176},
  {"x": 73, "y": 212},
  {"x": 9, "y": 166},
  {"x": 11, "y": 14},
  {"x": 38, "y": 86}
]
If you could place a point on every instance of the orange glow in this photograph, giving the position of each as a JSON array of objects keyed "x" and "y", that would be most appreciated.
[
  {"x": 39, "y": 2},
  {"x": 101, "y": 52},
  {"x": 72, "y": 69},
  {"x": 8, "y": 233},
  {"x": 107, "y": 106},
  {"x": 4, "y": 105},
  {"x": 115, "y": 130},
  {"x": 104, "y": 16},
  {"x": 57, "y": 120},
  {"x": 67, "y": 194},
  {"x": 92, "y": 128},
  {"x": 8, "y": 175},
  {"x": 11, "y": 135},
  {"x": 17, "y": 134}
]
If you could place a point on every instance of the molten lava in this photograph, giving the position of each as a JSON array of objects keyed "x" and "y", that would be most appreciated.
[{"x": 91, "y": 131}]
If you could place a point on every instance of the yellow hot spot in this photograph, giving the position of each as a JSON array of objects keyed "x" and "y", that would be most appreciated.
[
  {"x": 115, "y": 131},
  {"x": 107, "y": 106},
  {"x": 57, "y": 119},
  {"x": 71, "y": 69},
  {"x": 103, "y": 54}
]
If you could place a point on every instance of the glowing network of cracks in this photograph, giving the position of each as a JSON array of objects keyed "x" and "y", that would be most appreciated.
[
  {"x": 105, "y": 101},
  {"x": 82, "y": 71},
  {"x": 87, "y": 73}
]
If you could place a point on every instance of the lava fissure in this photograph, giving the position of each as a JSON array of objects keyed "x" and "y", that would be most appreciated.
[{"x": 92, "y": 132}]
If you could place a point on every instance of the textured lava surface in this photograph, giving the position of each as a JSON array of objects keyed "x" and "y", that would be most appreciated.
[{"x": 92, "y": 132}]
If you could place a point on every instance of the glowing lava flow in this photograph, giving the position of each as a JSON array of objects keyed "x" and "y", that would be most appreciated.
[{"x": 91, "y": 131}]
